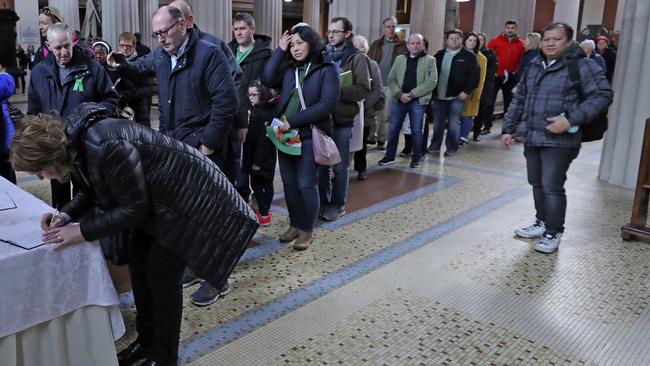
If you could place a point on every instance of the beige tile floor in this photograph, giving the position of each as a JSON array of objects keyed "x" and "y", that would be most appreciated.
[{"x": 439, "y": 279}]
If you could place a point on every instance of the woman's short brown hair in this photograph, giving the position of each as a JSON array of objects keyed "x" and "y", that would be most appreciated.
[{"x": 41, "y": 142}]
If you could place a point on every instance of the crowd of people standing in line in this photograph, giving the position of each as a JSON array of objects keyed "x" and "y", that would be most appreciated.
[{"x": 223, "y": 112}]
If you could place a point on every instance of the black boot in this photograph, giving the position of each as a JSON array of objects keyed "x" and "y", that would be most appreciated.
[{"x": 132, "y": 354}]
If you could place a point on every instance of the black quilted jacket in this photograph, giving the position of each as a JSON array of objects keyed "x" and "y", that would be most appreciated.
[{"x": 144, "y": 179}]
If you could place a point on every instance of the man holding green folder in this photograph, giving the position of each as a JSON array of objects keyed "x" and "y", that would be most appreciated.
[{"x": 355, "y": 86}]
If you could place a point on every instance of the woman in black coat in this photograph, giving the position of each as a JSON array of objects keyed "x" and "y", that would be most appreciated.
[
  {"x": 301, "y": 54},
  {"x": 181, "y": 207}
]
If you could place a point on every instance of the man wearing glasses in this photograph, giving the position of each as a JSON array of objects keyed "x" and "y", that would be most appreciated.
[
  {"x": 138, "y": 97},
  {"x": 196, "y": 93},
  {"x": 384, "y": 51}
]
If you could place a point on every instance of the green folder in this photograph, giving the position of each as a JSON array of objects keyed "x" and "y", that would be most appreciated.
[{"x": 346, "y": 78}]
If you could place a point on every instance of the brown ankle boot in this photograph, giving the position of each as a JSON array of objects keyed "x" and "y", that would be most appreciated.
[
  {"x": 289, "y": 235},
  {"x": 304, "y": 240}
]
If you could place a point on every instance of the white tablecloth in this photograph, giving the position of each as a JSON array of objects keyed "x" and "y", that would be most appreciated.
[{"x": 40, "y": 285}]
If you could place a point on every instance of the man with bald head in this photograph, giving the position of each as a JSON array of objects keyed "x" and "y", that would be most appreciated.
[
  {"x": 411, "y": 81},
  {"x": 66, "y": 78}
]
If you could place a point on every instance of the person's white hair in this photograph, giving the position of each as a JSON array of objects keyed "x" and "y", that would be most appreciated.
[
  {"x": 588, "y": 43},
  {"x": 360, "y": 42},
  {"x": 58, "y": 28}
]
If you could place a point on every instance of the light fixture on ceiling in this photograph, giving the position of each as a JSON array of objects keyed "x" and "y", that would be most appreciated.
[
  {"x": 462, "y": 1},
  {"x": 288, "y": 1}
]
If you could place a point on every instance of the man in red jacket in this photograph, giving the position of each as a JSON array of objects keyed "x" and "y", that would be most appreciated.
[{"x": 509, "y": 49}]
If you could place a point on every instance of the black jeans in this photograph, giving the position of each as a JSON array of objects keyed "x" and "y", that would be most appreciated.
[
  {"x": 360, "y": 162},
  {"x": 547, "y": 168},
  {"x": 263, "y": 189},
  {"x": 484, "y": 119},
  {"x": 506, "y": 88},
  {"x": 156, "y": 275}
]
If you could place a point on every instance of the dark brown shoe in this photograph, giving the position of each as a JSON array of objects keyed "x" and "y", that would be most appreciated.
[
  {"x": 289, "y": 235},
  {"x": 304, "y": 240}
]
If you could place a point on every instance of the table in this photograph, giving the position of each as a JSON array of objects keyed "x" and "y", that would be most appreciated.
[{"x": 56, "y": 308}]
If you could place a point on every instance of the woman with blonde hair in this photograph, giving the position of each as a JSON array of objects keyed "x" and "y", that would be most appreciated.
[{"x": 531, "y": 42}]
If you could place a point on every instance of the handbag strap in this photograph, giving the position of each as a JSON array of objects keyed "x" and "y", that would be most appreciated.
[{"x": 299, "y": 87}]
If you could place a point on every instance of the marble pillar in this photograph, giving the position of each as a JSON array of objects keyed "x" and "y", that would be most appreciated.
[
  {"x": 119, "y": 16},
  {"x": 567, "y": 11},
  {"x": 268, "y": 19},
  {"x": 214, "y": 16},
  {"x": 619, "y": 163},
  {"x": 147, "y": 8},
  {"x": 592, "y": 12},
  {"x": 428, "y": 19},
  {"x": 619, "y": 14},
  {"x": 366, "y": 15},
  {"x": 491, "y": 15},
  {"x": 311, "y": 10}
]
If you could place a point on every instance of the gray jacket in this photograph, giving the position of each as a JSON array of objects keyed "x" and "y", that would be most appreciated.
[
  {"x": 548, "y": 92},
  {"x": 376, "y": 93}
]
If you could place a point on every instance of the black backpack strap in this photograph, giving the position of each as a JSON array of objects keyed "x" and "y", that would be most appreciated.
[{"x": 574, "y": 75}]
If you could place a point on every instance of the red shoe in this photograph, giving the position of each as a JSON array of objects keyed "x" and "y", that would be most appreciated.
[{"x": 264, "y": 220}]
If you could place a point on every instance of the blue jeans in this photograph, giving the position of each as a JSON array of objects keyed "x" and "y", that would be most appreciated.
[
  {"x": 546, "y": 168},
  {"x": 334, "y": 193},
  {"x": 398, "y": 111},
  {"x": 466, "y": 125},
  {"x": 299, "y": 179},
  {"x": 447, "y": 111}
]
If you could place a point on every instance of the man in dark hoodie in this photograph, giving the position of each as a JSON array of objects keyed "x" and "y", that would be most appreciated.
[
  {"x": 355, "y": 86},
  {"x": 252, "y": 51}
]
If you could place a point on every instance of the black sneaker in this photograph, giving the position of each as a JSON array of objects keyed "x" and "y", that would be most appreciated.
[
  {"x": 189, "y": 278},
  {"x": 476, "y": 137},
  {"x": 208, "y": 294},
  {"x": 415, "y": 164},
  {"x": 385, "y": 161},
  {"x": 449, "y": 153},
  {"x": 485, "y": 131},
  {"x": 405, "y": 153},
  {"x": 463, "y": 141},
  {"x": 381, "y": 145}
]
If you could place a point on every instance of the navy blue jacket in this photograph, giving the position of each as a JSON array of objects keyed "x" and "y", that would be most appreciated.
[
  {"x": 321, "y": 88},
  {"x": 197, "y": 100},
  {"x": 48, "y": 94}
]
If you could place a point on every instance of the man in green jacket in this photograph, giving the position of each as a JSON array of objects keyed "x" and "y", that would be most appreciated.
[
  {"x": 411, "y": 81},
  {"x": 355, "y": 87}
]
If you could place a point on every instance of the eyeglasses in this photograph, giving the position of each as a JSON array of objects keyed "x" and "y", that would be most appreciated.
[
  {"x": 126, "y": 46},
  {"x": 334, "y": 31},
  {"x": 164, "y": 32}
]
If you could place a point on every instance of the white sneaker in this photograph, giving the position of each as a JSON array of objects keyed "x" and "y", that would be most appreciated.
[
  {"x": 535, "y": 230},
  {"x": 548, "y": 243}
]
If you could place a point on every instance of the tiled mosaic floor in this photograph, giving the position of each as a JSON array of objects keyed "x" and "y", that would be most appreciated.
[{"x": 435, "y": 277}]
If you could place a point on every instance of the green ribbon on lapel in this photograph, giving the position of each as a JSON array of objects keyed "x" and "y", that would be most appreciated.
[{"x": 78, "y": 85}]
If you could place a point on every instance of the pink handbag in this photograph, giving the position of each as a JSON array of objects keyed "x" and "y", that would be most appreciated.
[{"x": 325, "y": 150}]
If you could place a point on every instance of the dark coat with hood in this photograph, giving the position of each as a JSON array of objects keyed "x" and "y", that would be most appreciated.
[
  {"x": 258, "y": 149},
  {"x": 251, "y": 67},
  {"x": 321, "y": 88},
  {"x": 48, "y": 94},
  {"x": 132, "y": 173},
  {"x": 547, "y": 91},
  {"x": 353, "y": 60},
  {"x": 198, "y": 99}
]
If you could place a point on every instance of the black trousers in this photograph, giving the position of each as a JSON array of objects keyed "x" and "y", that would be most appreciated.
[
  {"x": 484, "y": 119},
  {"x": 263, "y": 189},
  {"x": 506, "y": 88},
  {"x": 156, "y": 275},
  {"x": 360, "y": 162}
]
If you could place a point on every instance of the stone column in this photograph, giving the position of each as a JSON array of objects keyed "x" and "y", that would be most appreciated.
[
  {"x": 70, "y": 10},
  {"x": 214, "y": 16},
  {"x": 491, "y": 15},
  {"x": 268, "y": 19},
  {"x": 619, "y": 163},
  {"x": 619, "y": 14},
  {"x": 27, "y": 26},
  {"x": 365, "y": 15},
  {"x": 428, "y": 19},
  {"x": 118, "y": 16},
  {"x": 147, "y": 8},
  {"x": 592, "y": 12},
  {"x": 567, "y": 11},
  {"x": 311, "y": 10}
]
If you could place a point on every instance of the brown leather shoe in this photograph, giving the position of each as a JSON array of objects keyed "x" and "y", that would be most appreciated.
[
  {"x": 289, "y": 235},
  {"x": 304, "y": 240}
]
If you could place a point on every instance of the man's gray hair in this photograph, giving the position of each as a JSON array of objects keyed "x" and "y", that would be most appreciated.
[
  {"x": 173, "y": 11},
  {"x": 58, "y": 28},
  {"x": 184, "y": 7},
  {"x": 389, "y": 18}
]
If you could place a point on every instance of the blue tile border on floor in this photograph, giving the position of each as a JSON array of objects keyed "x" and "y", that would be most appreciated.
[{"x": 212, "y": 339}]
